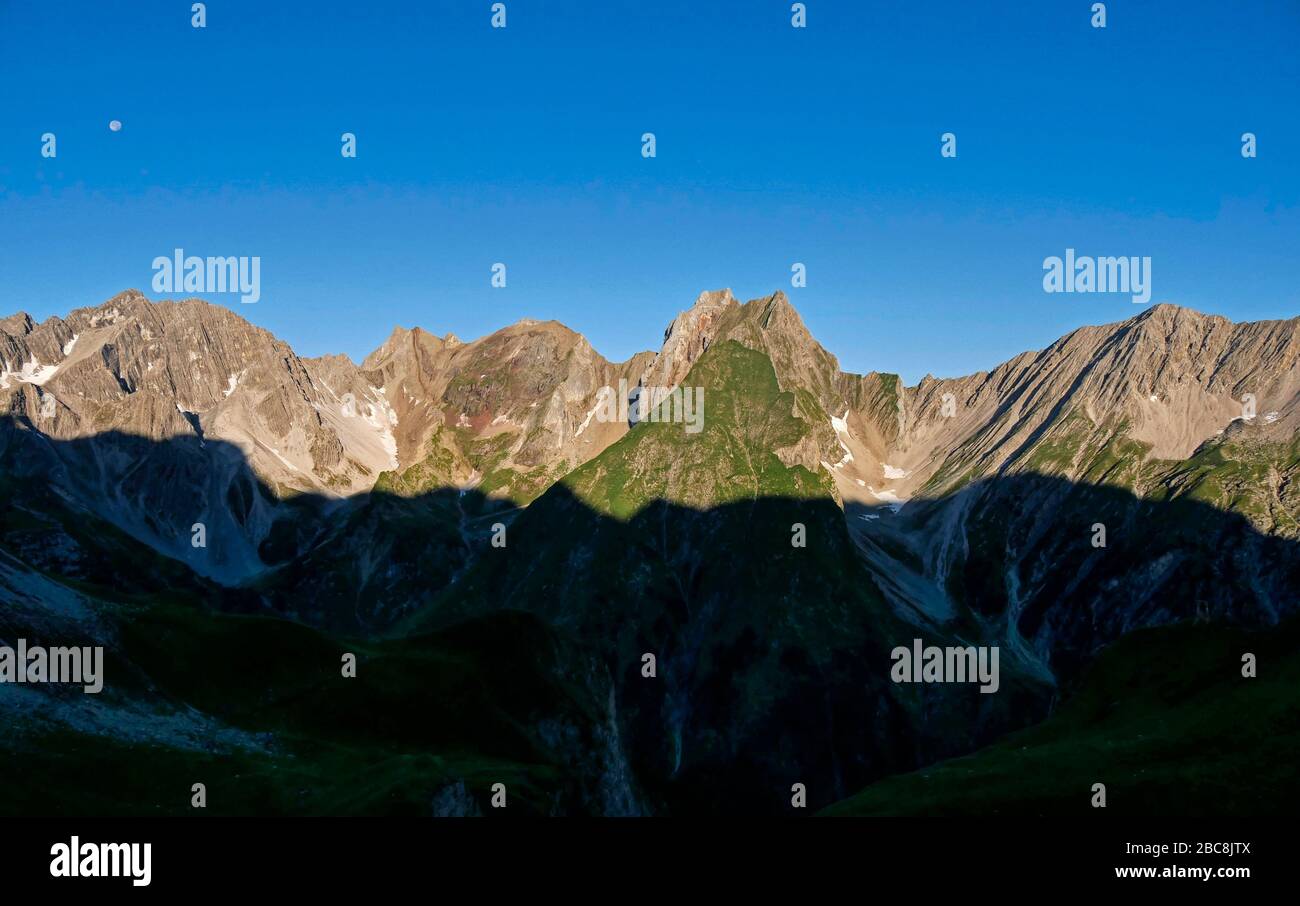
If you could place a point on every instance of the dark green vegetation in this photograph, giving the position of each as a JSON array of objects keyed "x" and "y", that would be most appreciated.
[
  {"x": 450, "y": 448},
  {"x": 732, "y": 458},
  {"x": 523, "y": 664},
  {"x": 1234, "y": 473},
  {"x": 258, "y": 710},
  {"x": 1164, "y": 718}
]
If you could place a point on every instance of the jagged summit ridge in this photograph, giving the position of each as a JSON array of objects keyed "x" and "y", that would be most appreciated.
[{"x": 516, "y": 410}]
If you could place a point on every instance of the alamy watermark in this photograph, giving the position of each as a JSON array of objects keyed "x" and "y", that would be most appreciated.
[
  {"x": 192, "y": 274},
  {"x": 75, "y": 859},
  {"x": 955, "y": 664},
  {"x": 684, "y": 405},
  {"x": 1082, "y": 274},
  {"x": 35, "y": 664}
]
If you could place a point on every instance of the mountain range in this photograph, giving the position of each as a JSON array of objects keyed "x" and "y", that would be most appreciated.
[{"x": 227, "y": 518}]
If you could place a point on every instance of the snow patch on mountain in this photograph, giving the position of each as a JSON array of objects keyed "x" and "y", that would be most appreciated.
[
  {"x": 841, "y": 427},
  {"x": 32, "y": 372},
  {"x": 383, "y": 419},
  {"x": 891, "y": 499},
  {"x": 587, "y": 421}
]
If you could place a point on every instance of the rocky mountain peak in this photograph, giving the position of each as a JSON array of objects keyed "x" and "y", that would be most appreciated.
[
  {"x": 688, "y": 336},
  {"x": 402, "y": 344},
  {"x": 18, "y": 324},
  {"x": 517, "y": 409}
]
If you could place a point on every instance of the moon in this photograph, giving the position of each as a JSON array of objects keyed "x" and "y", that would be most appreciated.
[{"x": 115, "y": 125}]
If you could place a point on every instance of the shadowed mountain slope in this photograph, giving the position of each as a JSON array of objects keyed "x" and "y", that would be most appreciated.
[
  {"x": 772, "y": 661},
  {"x": 695, "y": 620},
  {"x": 1164, "y": 719}
]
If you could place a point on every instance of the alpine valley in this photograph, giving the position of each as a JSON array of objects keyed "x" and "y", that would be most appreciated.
[{"x": 634, "y": 619}]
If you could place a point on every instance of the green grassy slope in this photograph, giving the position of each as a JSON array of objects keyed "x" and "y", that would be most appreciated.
[
  {"x": 283, "y": 732},
  {"x": 256, "y": 707},
  {"x": 1163, "y": 718},
  {"x": 772, "y": 658}
]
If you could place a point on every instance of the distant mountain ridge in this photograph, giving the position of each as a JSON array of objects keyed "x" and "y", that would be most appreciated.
[
  {"x": 513, "y": 412},
  {"x": 442, "y": 492}
]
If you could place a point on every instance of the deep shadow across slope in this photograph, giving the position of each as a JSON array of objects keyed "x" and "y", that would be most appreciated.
[
  {"x": 771, "y": 660},
  {"x": 1164, "y": 719}
]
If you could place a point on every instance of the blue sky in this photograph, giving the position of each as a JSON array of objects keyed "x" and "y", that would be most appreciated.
[{"x": 775, "y": 145}]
